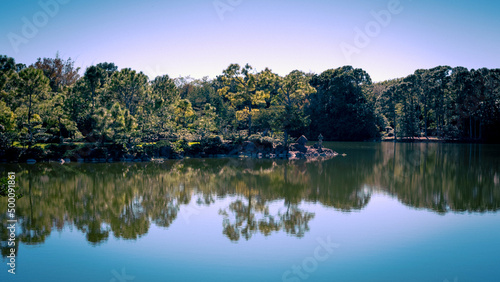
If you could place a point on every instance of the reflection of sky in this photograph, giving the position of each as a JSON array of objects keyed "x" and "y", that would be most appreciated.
[
  {"x": 189, "y": 38},
  {"x": 386, "y": 241}
]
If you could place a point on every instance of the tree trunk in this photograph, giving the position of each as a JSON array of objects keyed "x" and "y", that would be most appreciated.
[
  {"x": 395, "y": 128},
  {"x": 481, "y": 129},
  {"x": 250, "y": 122},
  {"x": 286, "y": 140},
  {"x": 470, "y": 127},
  {"x": 425, "y": 125},
  {"x": 29, "y": 123}
]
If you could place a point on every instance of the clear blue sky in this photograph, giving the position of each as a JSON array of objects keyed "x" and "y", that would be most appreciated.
[{"x": 192, "y": 37}]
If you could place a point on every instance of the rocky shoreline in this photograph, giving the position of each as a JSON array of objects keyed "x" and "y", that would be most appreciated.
[{"x": 214, "y": 148}]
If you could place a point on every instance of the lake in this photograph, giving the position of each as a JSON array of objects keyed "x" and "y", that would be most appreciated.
[{"x": 384, "y": 212}]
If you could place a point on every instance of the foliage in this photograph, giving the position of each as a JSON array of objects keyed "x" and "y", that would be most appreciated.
[
  {"x": 49, "y": 103},
  {"x": 339, "y": 109},
  {"x": 61, "y": 73}
]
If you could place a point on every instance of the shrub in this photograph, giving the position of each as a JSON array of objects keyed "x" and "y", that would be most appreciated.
[
  {"x": 11, "y": 154},
  {"x": 117, "y": 151},
  {"x": 32, "y": 153},
  {"x": 180, "y": 146},
  {"x": 265, "y": 142},
  {"x": 213, "y": 145}
]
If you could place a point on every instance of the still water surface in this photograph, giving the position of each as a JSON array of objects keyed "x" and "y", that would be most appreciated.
[{"x": 384, "y": 212}]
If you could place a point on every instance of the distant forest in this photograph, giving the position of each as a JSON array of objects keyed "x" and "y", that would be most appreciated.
[{"x": 49, "y": 102}]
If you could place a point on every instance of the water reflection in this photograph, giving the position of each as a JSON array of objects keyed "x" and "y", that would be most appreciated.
[{"x": 123, "y": 200}]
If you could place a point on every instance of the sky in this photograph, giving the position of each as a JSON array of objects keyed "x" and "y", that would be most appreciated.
[{"x": 197, "y": 38}]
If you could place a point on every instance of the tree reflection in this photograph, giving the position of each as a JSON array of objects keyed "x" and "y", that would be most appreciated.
[
  {"x": 250, "y": 213},
  {"x": 266, "y": 196},
  {"x": 295, "y": 221}
]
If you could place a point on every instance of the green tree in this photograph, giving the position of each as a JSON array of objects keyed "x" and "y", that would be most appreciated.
[
  {"x": 93, "y": 76},
  {"x": 339, "y": 109},
  {"x": 7, "y": 125},
  {"x": 159, "y": 107},
  {"x": 184, "y": 114},
  {"x": 206, "y": 122},
  {"x": 294, "y": 91},
  {"x": 116, "y": 125},
  {"x": 239, "y": 88},
  {"x": 32, "y": 90},
  {"x": 56, "y": 119},
  {"x": 129, "y": 88},
  {"x": 389, "y": 100},
  {"x": 408, "y": 107}
]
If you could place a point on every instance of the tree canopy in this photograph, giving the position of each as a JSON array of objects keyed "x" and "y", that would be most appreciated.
[{"x": 49, "y": 102}]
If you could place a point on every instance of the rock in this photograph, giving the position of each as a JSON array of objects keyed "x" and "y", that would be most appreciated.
[
  {"x": 280, "y": 149},
  {"x": 249, "y": 146},
  {"x": 298, "y": 147},
  {"x": 302, "y": 140}
]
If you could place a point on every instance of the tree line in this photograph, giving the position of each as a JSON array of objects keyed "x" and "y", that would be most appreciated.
[{"x": 49, "y": 102}]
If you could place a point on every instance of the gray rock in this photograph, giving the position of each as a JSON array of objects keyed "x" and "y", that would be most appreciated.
[{"x": 302, "y": 140}]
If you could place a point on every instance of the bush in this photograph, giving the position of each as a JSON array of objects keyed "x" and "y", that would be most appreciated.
[
  {"x": 213, "y": 145},
  {"x": 265, "y": 142},
  {"x": 32, "y": 153},
  {"x": 180, "y": 146},
  {"x": 11, "y": 154},
  {"x": 116, "y": 151},
  {"x": 194, "y": 150},
  {"x": 99, "y": 152}
]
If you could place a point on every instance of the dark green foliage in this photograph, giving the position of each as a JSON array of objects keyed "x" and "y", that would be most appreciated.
[
  {"x": 125, "y": 113},
  {"x": 444, "y": 102},
  {"x": 10, "y": 154},
  {"x": 264, "y": 142},
  {"x": 339, "y": 109},
  {"x": 213, "y": 145},
  {"x": 35, "y": 153}
]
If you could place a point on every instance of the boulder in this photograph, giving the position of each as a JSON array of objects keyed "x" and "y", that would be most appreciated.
[
  {"x": 302, "y": 140},
  {"x": 249, "y": 146}
]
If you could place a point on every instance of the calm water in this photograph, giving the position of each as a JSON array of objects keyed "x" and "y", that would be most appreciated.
[{"x": 385, "y": 212}]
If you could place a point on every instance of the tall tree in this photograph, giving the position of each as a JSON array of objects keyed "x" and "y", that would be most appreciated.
[
  {"x": 339, "y": 109},
  {"x": 159, "y": 107},
  {"x": 408, "y": 106},
  {"x": 129, "y": 89},
  {"x": 390, "y": 99},
  {"x": 33, "y": 87},
  {"x": 93, "y": 77},
  {"x": 294, "y": 90},
  {"x": 239, "y": 87}
]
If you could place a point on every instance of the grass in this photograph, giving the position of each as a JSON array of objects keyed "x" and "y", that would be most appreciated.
[{"x": 18, "y": 144}]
